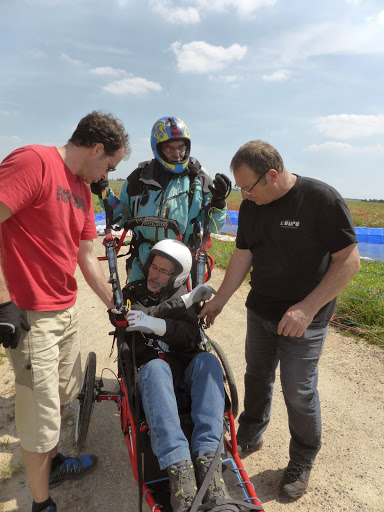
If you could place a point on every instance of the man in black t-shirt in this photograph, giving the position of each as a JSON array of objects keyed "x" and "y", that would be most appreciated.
[{"x": 297, "y": 235}]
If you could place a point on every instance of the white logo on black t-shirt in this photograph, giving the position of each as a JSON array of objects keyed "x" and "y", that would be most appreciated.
[{"x": 293, "y": 224}]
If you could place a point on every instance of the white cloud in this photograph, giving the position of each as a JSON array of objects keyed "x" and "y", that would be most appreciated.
[
  {"x": 330, "y": 38},
  {"x": 330, "y": 146},
  {"x": 5, "y": 113},
  {"x": 277, "y": 76},
  {"x": 69, "y": 59},
  {"x": 380, "y": 18},
  {"x": 349, "y": 126},
  {"x": 353, "y": 2},
  {"x": 344, "y": 147},
  {"x": 173, "y": 13},
  {"x": 133, "y": 85},
  {"x": 199, "y": 57},
  {"x": 242, "y": 6},
  {"x": 107, "y": 71}
]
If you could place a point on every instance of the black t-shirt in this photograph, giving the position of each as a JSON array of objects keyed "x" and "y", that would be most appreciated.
[{"x": 291, "y": 240}]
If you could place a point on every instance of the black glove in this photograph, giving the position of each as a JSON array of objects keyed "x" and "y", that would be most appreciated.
[
  {"x": 117, "y": 319},
  {"x": 12, "y": 320},
  {"x": 220, "y": 190},
  {"x": 99, "y": 186}
]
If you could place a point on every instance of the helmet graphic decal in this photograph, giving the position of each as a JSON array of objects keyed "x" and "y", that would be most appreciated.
[
  {"x": 160, "y": 131},
  {"x": 169, "y": 129}
]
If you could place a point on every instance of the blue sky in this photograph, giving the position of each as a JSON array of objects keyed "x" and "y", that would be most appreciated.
[{"x": 306, "y": 76}]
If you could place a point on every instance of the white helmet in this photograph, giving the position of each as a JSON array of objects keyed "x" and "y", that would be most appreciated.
[{"x": 179, "y": 254}]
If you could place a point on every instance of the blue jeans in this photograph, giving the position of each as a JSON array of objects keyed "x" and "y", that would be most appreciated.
[
  {"x": 299, "y": 358},
  {"x": 204, "y": 383}
]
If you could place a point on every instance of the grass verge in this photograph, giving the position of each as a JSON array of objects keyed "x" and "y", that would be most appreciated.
[{"x": 360, "y": 308}]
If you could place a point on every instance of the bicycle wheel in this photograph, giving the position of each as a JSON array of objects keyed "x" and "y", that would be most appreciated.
[
  {"x": 86, "y": 399},
  {"x": 229, "y": 380}
]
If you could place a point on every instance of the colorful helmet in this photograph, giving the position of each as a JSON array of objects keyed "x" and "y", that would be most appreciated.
[
  {"x": 168, "y": 129},
  {"x": 179, "y": 254}
]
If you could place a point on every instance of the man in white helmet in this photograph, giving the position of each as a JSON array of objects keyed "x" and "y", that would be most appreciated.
[{"x": 168, "y": 358}]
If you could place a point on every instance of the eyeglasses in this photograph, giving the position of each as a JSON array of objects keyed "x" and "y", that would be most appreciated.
[
  {"x": 168, "y": 150},
  {"x": 238, "y": 189},
  {"x": 113, "y": 168},
  {"x": 161, "y": 271}
]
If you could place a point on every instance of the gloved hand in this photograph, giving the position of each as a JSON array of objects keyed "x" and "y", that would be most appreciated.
[
  {"x": 12, "y": 320},
  {"x": 117, "y": 319},
  {"x": 220, "y": 190},
  {"x": 99, "y": 186},
  {"x": 200, "y": 292},
  {"x": 139, "y": 321}
]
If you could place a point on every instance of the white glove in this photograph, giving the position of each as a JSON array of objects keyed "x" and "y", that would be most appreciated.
[
  {"x": 139, "y": 321},
  {"x": 200, "y": 292}
]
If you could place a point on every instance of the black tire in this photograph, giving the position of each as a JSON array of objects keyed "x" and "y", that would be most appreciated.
[
  {"x": 229, "y": 380},
  {"x": 86, "y": 399}
]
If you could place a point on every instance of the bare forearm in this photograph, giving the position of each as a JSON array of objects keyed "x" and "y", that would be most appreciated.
[
  {"x": 298, "y": 317},
  {"x": 94, "y": 275},
  {"x": 238, "y": 267},
  {"x": 334, "y": 281},
  {"x": 4, "y": 293}
]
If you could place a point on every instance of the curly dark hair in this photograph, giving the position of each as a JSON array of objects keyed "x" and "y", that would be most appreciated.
[
  {"x": 99, "y": 127},
  {"x": 259, "y": 156}
]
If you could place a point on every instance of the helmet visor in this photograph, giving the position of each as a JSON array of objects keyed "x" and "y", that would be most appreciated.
[{"x": 174, "y": 151}]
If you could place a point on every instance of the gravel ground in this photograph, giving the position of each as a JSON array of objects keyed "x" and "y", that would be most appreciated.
[{"x": 349, "y": 470}]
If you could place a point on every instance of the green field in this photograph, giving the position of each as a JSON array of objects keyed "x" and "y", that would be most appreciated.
[
  {"x": 364, "y": 213},
  {"x": 369, "y": 214}
]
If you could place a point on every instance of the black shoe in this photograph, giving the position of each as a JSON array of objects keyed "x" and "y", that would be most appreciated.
[
  {"x": 216, "y": 487},
  {"x": 295, "y": 479},
  {"x": 48, "y": 508},
  {"x": 182, "y": 484},
  {"x": 71, "y": 468},
  {"x": 245, "y": 449},
  {"x": 45, "y": 506}
]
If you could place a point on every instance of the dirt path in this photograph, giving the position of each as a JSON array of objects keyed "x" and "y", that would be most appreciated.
[{"x": 349, "y": 471}]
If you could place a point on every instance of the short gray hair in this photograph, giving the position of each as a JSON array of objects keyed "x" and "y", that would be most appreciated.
[{"x": 259, "y": 156}]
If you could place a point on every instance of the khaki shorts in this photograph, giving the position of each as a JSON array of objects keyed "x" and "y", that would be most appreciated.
[{"x": 47, "y": 370}]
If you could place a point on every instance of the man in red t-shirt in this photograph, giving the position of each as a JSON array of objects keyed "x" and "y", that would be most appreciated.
[{"x": 47, "y": 227}]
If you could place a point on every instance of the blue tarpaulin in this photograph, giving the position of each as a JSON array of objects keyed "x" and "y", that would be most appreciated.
[
  {"x": 100, "y": 218},
  {"x": 371, "y": 240}
]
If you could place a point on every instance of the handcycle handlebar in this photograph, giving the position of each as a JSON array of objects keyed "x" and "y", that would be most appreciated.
[
  {"x": 113, "y": 274},
  {"x": 154, "y": 222}
]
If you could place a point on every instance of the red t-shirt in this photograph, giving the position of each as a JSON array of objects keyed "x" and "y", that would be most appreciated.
[{"x": 52, "y": 211}]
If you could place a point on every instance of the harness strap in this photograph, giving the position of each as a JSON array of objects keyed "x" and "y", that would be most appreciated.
[
  {"x": 133, "y": 252},
  {"x": 204, "y": 486}
]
